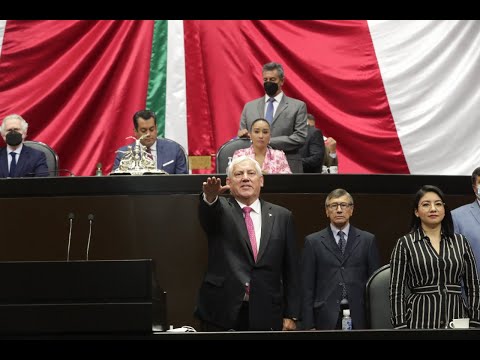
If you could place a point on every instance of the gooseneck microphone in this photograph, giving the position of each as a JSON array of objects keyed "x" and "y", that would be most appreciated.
[
  {"x": 71, "y": 216},
  {"x": 90, "y": 220}
]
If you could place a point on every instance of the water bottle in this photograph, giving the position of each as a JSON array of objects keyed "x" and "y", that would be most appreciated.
[
  {"x": 346, "y": 320},
  {"x": 98, "y": 172}
]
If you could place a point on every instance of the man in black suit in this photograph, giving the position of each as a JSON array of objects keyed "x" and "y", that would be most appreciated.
[
  {"x": 337, "y": 262},
  {"x": 17, "y": 159},
  {"x": 313, "y": 151},
  {"x": 252, "y": 278}
]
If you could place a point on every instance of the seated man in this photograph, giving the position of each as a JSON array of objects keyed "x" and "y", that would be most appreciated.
[
  {"x": 169, "y": 156},
  {"x": 313, "y": 150},
  {"x": 17, "y": 159}
]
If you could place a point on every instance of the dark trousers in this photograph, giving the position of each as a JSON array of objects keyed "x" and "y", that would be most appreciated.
[
  {"x": 339, "y": 320},
  {"x": 241, "y": 323}
]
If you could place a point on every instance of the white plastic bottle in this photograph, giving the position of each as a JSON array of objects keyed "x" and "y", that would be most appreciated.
[{"x": 346, "y": 320}]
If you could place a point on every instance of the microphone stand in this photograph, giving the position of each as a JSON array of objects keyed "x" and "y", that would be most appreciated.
[{"x": 90, "y": 219}]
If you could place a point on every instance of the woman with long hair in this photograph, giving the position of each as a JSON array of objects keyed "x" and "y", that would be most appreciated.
[{"x": 434, "y": 263}]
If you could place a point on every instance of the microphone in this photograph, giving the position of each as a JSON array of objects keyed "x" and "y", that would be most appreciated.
[
  {"x": 71, "y": 216},
  {"x": 90, "y": 219}
]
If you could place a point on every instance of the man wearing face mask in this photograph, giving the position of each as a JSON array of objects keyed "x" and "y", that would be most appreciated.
[
  {"x": 466, "y": 218},
  {"x": 17, "y": 159},
  {"x": 287, "y": 116}
]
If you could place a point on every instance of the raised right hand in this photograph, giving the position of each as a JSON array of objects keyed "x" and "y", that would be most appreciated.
[{"x": 213, "y": 187}]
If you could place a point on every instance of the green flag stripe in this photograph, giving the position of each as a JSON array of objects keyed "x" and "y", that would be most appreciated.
[{"x": 156, "y": 95}]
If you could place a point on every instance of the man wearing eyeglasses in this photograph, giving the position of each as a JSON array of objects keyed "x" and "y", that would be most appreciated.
[{"x": 336, "y": 264}]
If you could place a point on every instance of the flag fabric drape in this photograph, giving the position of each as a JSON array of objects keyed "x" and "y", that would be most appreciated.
[{"x": 398, "y": 96}]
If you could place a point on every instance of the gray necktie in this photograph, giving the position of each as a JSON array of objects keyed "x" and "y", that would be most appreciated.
[
  {"x": 269, "y": 113},
  {"x": 342, "y": 242}
]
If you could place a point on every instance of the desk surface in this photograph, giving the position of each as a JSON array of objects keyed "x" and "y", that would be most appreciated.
[
  {"x": 437, "y": 334},
  {"x": 192, "y": 184}
]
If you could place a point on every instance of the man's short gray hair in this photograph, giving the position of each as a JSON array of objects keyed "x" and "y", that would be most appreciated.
[
  {"x": 274, "y": 66},
  {"x": 240, "y": 159},
  {"x": 23, "y": 123}
]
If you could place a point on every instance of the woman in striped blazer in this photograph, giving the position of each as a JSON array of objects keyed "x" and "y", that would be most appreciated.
[{"x": 433, "y": 262}]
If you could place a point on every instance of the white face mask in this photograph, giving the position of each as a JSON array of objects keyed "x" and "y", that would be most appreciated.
[{"x": 478, "y": 192}]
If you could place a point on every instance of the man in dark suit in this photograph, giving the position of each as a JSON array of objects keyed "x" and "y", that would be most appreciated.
[
  {"x": 169, "y": 156},
  {"x": 313, "y": 151},
  {"x": 336, "y": 264},
  {"x": 252, "y": 280},
  {"x": 287, "y": 116},
  {"x": 17, "y": 159}
]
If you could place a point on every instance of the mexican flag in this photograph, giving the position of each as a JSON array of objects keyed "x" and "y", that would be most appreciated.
[{"x": 400, "y": 97}]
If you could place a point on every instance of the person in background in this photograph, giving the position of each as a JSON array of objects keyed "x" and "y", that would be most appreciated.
[
  {"x": 466, "y": 218},
  {"x": 168, "y": 155},
  {"x": 17, "y": 159},
  {"x": 336, "y": 264},
  {"x": 433, "y": 262},
  {"x": 271, "y": 161},
  {"x": 313, "y": 151},
  {"x": 251, "y": 282},
  {"x": 287, "y": 116}
]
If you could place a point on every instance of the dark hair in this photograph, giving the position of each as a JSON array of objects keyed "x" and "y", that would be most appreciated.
[
  {"x": 310, "y": 117},
  {"x": 475, "y": 175},
  {"x": 259, "y": 119},
  {"x": 144, "y": 114},
  {"x": 447, "y": 222},
  {"x": 274, "y": 66}
]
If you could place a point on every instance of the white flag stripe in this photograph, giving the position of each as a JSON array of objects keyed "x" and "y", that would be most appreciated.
[
  {"x": 176, "y": 104},
  {"x": 430, "y": 71},
  {"x": 3, "y": 23}
]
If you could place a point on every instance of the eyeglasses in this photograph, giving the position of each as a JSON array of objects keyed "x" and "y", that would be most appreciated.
[
  {"x": 334, "y": 206},
  {"x": 437, "y": 204}
]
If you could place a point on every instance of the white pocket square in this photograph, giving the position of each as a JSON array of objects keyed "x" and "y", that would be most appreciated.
[{"x": 168, "y": 163}]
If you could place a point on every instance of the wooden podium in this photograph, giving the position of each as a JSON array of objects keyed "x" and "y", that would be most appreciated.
[{"x": 80, "y": 297}]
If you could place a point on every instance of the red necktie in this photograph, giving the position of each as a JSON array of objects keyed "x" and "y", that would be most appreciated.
[
  {"x": 149, "y": 153},
  {"x": 251, "y": 230}
]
